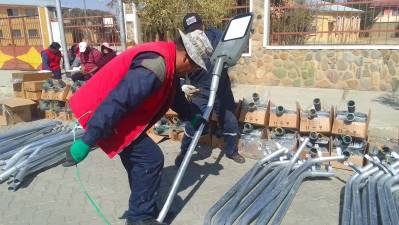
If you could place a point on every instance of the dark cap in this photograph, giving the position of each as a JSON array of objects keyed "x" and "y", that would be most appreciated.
[
  {"x": 55, "y": 45},
  {"x": 192, "y": 22}
]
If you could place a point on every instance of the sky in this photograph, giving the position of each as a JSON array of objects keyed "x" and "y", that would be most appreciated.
[{"x": 90, "y": 4}]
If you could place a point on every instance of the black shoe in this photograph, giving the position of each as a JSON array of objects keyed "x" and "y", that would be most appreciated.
[
  {"x": 179, "y": 160},
  {"x": 144, "y": 222},
  {"x": 237, "y": 158}
]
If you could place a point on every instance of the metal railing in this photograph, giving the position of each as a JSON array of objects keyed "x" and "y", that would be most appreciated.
[
  {"x": 316, "y": 22},
  {"x": 94, "y": 29}
]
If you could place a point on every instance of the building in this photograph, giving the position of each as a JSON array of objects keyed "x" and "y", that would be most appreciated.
[
  {"x": 333, "y": 24},
  {"x": 387, "y": 20},
  {"x": 24, "y": 32}
]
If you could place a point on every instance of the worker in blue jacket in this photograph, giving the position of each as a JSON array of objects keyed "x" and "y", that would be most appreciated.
[{"x": 200, "y": 81}]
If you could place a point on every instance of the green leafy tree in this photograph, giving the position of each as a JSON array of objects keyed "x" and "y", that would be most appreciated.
[{"x": 164, "y": 16}]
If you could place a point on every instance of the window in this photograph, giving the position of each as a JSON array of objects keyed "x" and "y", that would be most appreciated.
[
  {"x": 12, "y": 12},
  {"x": 31, "y": 12},
  {"x": 33, "y": 33},
  {"x": 16, "y": 34}
]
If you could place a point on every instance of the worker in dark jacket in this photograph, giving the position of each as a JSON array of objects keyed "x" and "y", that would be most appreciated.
[
  {"x": 107, "y": 54},
  {"x": 51, "y": 58},
  {"x": 224, "y": 103},
  {"x": 117, "y": 112}
]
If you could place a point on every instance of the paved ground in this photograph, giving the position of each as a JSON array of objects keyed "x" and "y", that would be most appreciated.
[{"x": 54, "y": 196}]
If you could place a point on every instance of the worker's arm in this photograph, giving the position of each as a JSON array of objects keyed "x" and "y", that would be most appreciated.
[
  {"x": 140, "y": 82},
  {"x": 182, "y": 106},
  {"x": 45, "y": 61}
]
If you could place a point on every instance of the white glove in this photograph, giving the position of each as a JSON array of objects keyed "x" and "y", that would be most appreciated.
[{"x": 189, "y": 91}]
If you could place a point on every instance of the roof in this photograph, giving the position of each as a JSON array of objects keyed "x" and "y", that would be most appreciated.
[
  {"x": 28, "y": 2},
  {"x": 387, "y": 3},
  {"x": 323, "y": 6}
]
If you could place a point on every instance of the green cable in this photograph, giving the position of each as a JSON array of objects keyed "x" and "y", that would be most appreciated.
[{"x": 82, "y": 186}]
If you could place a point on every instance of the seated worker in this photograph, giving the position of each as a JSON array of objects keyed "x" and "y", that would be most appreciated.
[
  {"x": 89, "y": 58},
  {"x": 224, "y": 106},
  {"x": 107, "y": 54},
  {"x": 51, "y": 58},
  {"x": 117, "y": 112}
]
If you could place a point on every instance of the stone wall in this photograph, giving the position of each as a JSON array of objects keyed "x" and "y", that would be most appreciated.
[{"x": 341, "y": 69}]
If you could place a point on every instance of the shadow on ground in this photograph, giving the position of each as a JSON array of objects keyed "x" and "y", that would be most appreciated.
[
  {"x": 390, "y": 100},
  {"x": 195, "y": 176}
]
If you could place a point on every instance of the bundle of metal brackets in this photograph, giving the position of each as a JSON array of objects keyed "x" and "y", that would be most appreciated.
[
  {"x": 372, "y": 194},
  {"x": 26, "y": 151},
  {"x": 267, "y": 190}
]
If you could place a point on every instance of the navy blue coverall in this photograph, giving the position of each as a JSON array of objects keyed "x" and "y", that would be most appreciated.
[
  {"x": 224, "y": 102},
  {"x": 142, "y": 159}
]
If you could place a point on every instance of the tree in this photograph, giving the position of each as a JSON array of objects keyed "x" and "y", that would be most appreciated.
[{"x": 164, "y": 16}]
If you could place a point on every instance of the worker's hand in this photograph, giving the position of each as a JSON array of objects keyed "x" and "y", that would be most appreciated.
[
  {"x": 190, "y": 91},
  {"x": 77, "y": 153},
  {"x": 197, "y": 120}
]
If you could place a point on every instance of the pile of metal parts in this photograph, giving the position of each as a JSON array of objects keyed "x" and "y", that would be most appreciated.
[
  {"x": 285, "y": 137},
  {"x": 318, "y": 143},
  {"x": 372, "y": 194},
  {"x": 54, "y": 106},
  {"x": 255, "y": 104},
  {"x": 162, "y": 127},
  {"x": 316, "y": 110},
  {"x": 351, "y": 115},
  {"x": 54, "y": 84},
  {"x": 27, "y": 150},
  {"x": 264, "y": 194},
  {"x": 356, "y": 146}
]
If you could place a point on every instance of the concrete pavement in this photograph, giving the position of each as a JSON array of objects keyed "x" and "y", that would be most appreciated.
[{"x": 54, "y": 196}]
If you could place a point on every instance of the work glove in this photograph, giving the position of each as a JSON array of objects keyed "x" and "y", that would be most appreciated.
[
  {"x": 197, "y": 120},
  {"x": 190, "y": 91},
  {"x": 77, "y": 153}
]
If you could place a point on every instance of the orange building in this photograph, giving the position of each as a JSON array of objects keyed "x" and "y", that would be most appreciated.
[{"x": 24, "y": 32}]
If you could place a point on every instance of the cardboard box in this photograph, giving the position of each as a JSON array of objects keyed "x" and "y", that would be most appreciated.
[
  {"x": 170, "y": 113},
  {"x": 287, "y": 120},
  {"x": 56, "y": 95},
  {"x": 33, "y": 85},
  {"x": 65, "y": 116},
  {"x": 33, "y": 95},
  {"x": 354, "y": 129},
  {"x": 318, "y": 124},
  {"x": 178, "y": 136},
  {"x": 19, "y": 78},
  {"x": 257, "y": 117},
  {"x": 19, "y": 94},
  {"x": 353, "y": 159},
  {"x": 48, "y": 114},
  {"x": 14, "y": 110}
]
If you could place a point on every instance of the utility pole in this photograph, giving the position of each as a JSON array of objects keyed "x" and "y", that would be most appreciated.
[
  {"x": 122, "y": 32},
  {"x": 85, "y": 15},
  {"x": 60, "y": 19}
]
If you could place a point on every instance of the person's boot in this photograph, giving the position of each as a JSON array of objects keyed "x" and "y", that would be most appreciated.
[
  {"x": 179, "y": 159},
  {"x": 237, "y": 158},
  {"x": 144, "y": 222}
]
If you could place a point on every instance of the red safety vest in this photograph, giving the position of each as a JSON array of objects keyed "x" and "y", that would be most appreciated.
[
  {"x": 88, "y": 98},
  {"x": 54, "y": 60}
]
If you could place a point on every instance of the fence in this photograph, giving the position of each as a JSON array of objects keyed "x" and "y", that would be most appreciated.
[
  {"x": 94, "y": 29},
  {"x": 316, "y": 22}
]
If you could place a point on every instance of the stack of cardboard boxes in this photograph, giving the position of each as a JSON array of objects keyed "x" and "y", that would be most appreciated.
[
  {"x": 56, "y": 98},
  {"x": 27, "y": 91},
  {"x": 267, "y": 119}
]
